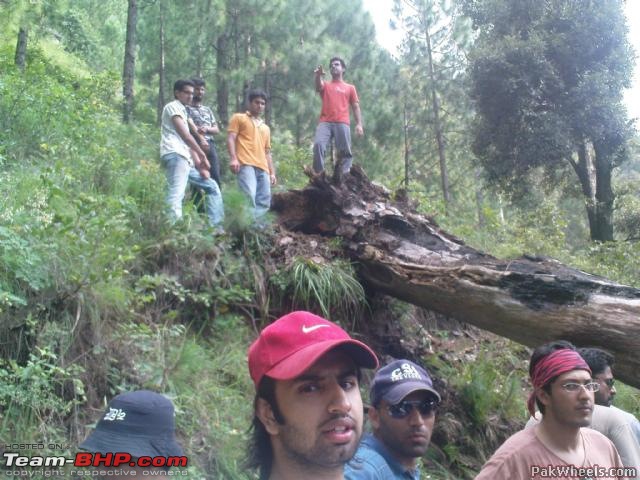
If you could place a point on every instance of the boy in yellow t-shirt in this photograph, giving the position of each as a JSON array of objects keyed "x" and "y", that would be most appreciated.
[{"x": 249, "y": 144}]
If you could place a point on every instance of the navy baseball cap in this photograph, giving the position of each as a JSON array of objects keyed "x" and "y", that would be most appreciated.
[
  {"x": 139, "y": 423},
  {"x": 398, "y": 379}
]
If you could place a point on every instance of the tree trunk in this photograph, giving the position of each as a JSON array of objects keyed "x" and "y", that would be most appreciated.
[
  {"x": 604, "y": 195},
  {"x": 21, "y": 48},
  {"x": 531, "y": 300},
  {"x": 128, "y": 70},
  {"x": 444, "y": 175},
  {"x": 222, "y": 69},
  {"x": 266, "y": 85},
  {"x": 593, "y": 169},
  {"x": 405, "y": 131},
  {"x": 161, "y": 67},
  {"x": 479, "y": 198}
]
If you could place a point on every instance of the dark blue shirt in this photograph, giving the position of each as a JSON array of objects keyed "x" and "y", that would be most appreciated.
[{"x": 373, "y": 461}]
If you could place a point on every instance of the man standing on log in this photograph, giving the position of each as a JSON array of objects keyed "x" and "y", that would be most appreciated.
[
  {"x": 402, "y": 415},
  {"x": 308, "y": 411},
  {"x": 337, "y": 96},
  {"x": 559, "y": 446}
]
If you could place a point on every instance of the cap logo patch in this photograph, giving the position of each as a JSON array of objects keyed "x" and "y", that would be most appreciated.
[
  {"x": 405, "y": 371},
  {"x": 115, "y": 414},
  {"x": 310, "y": 329}
]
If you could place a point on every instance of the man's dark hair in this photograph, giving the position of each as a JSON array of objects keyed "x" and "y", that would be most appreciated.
[
  {"x": 198, "y": 82},
  {"x": 597, "y": 359},
  {"x": 541, "y": 352},
  {"x": 344, "y": 65},
  {"x": 260, "y": 452},
  {"x": 180, "y": 84},
  {"x": 257, "y": 93}
]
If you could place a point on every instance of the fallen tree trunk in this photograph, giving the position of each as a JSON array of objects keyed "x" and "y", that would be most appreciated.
[{"x": 531, "y": 300}]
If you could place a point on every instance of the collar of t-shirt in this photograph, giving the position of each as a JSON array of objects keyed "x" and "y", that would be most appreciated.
[
  {"x": 257, "y": 121},
  {"x": 394, "y": 464}
]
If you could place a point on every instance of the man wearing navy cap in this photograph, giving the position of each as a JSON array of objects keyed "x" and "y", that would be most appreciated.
[
  {"x": 308, "y": 412},
  {"x": 140, "y": 424},
  {"x": 402, "y": 415}
]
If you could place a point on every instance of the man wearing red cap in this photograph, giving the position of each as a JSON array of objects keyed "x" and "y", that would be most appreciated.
[
  {"x": 559, "y": 446},
  {"x": 308, "y": 411}
]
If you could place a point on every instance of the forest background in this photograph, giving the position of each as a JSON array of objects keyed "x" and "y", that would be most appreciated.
[{"x": 502, "y": 120}]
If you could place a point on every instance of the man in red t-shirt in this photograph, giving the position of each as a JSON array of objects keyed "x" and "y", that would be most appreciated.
[{"x": 337, "y": 96}]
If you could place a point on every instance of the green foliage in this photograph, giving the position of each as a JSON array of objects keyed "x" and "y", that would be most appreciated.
[
  {"x": 486, "y": 391},
  {"x": 433, "y": 63},
  {"x": 214, "y": 412},
  {"x": 38, "y": 395},
  {"x": 329, "y": 288},
  {"x": 238, "y": 211},
  {"x": 290, "y": 162},
  {"x": 539, "y": 229},
  {"x": 628, "y": 399},
  {"x": 619, "y": 261},
  {"x": 549, "y": 97}
]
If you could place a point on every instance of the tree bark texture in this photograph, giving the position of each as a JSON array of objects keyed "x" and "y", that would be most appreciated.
[
  {"x": 128, "y": 70},
  {"x": 531, "y": 300},
  {"x": 21, "y": 48},
  {"x": 593, "y": 168},
  {"x": 222, "y": 82},
  {"x": 437, "y": 124},
  {"x": 161, "y": 68},
  {"x": 604, "y": 192}
]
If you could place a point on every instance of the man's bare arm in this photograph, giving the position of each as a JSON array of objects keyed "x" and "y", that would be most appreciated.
[
  {"x": 319, "y": 73},
  {"x": 213, "y": 129},
  {"x": 272, "y": 170},
  {"x": 183, "y": 131},
  {"x": 358, "y": 116},
  {"x": 195, "y": 131},
  {"x": 234, "y": 164}
]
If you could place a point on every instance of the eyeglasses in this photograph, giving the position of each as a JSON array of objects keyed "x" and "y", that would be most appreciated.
[
  {"x": 608, "y": 382},
  {"x": 574, "y": 387},
  {"x": 404, "y": 408}
]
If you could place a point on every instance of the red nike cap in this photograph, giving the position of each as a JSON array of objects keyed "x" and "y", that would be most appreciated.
[{"x": 294, "y": 342}]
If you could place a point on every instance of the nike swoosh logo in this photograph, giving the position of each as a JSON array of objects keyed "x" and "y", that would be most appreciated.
[{"x": 306, "y": 329}]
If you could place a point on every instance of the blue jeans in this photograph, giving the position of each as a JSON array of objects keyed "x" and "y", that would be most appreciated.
[
  {"x": 256, "y": 185},
  {"x": 179, "y": 173},
  {"x": 342, "y": 134}
]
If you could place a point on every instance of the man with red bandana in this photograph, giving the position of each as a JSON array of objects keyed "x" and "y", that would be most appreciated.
[
  {"x": 308, "y": 412},
  {"x": 559, "y": 446}
]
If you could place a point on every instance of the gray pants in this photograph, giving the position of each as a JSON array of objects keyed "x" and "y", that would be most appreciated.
[{"x": 342, "y": 135}]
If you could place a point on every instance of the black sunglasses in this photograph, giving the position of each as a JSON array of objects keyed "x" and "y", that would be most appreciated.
[
  {"x": 609, "y": 382},
  {"x": 404, "y": 408}
]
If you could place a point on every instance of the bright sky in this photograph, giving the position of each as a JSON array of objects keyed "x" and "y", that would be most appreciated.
[{"x": 381, "y": 11}]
